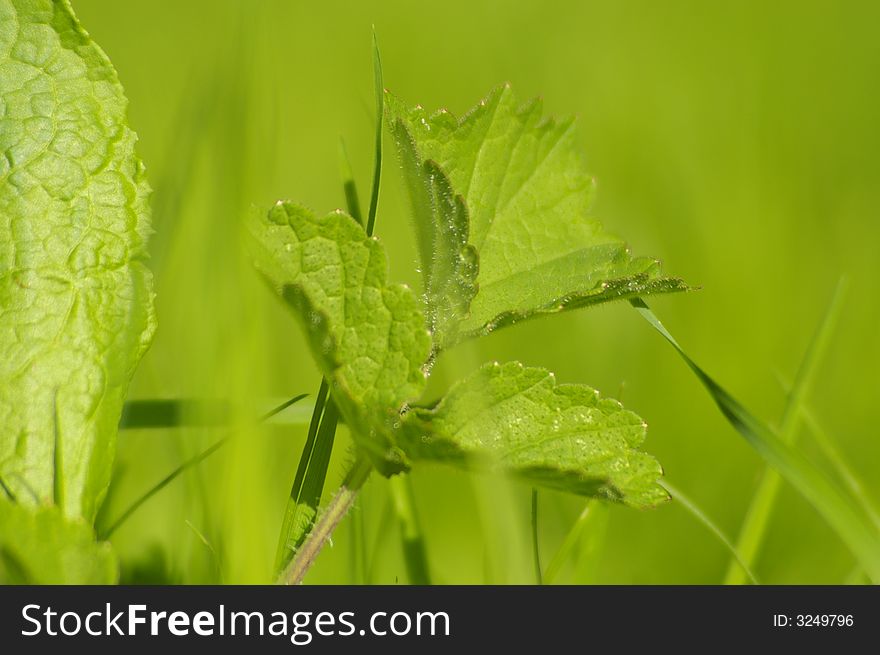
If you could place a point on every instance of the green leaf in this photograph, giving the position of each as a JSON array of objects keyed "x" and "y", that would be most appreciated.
[
  {"x": 526, "y": 188},
  {"x": 39, "y": 545},
  {"x": 519, "y": 420},
  {"x": 370, "y": 341},
  {"x": 368, "y": 336},
  {"x": 76, "y": 311}
]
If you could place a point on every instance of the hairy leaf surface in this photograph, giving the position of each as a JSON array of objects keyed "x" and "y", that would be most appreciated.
[
  {"x": 76, "y": 311},
  {"x": 527, "y": 194},
  {"x": 518, "y": 420},
  {"x": 369, "y": 336},
  {"x": 39, "y": 545}
]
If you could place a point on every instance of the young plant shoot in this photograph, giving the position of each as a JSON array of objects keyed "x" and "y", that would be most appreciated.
[{"x": 500, "y": 200}]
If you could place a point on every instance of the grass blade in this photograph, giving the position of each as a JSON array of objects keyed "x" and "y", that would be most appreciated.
[
  {"x": 303, "y": 508},
  {"x": 311, "y": 437},
  {"x": 414, "y": 552},
  {"x": 188, "y": 464},
  {"x": 843, "y": 471},
  {"x": 336, "y": 510},
  {"x": 758, "y": 515},
  {"x": 590, "y": 514},
  {"x": 357, "y": 551},
  {"x": 850, "y": 479},
  {"x": 857, "y": 533},
  {"x": 305, "y": 496},
  {"x": 169, "y": 413},
  {"x": 403, "y": 501},
  {"x": 348, "y": 184},
  {"x": 380, "y": 116},
  {"x": 215, "y": 556},
  {"x": 173, "y": 413},
  {"x": 536, "y": 553},
  {"x": 692, "y": 507}
]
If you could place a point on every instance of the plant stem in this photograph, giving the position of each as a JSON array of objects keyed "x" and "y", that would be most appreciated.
[
  {"x": 298, "y": 536},
  {"x": 329, "y": 519},
  {"x": 535, "y": 552},
  {"x": 414, "y": 552},
  {"x": 295, "y": 526}
]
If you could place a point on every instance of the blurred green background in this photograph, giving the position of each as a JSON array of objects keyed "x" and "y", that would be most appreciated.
[{"x": 735, "y": 141}]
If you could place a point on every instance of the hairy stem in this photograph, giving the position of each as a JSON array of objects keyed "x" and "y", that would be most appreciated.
[
  {"x": 298, "y": 535},
  {"x": 297, "y": 517},
  {"x": 329, "y": 519}
]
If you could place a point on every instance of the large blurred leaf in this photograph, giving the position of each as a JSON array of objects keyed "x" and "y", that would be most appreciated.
[
  {"x": 519, "y": 420},
  {"x": 528, "y": 194},
  {"x": 39, "y": 545},
  {"x": 76, "y": 311},
  {"x": 368, "y": 336}
]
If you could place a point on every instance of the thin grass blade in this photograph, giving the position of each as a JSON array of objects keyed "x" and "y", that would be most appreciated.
[
  {"x": 414, "y": 551},
  {"x": 349, "y": 187},
  {"x": 380, "y": 117},
  {"x": 754, "y": 526},
  {"x": 536, "y": 552},
  {"x": 843, "y": 470},
  {"x": 305, "y": 496},
  {"x": 710, "y": 525},
  {"x": 851, "y": 526},
  {"x": 591, "y": 513},
  {"x": 188, "y": 464}
]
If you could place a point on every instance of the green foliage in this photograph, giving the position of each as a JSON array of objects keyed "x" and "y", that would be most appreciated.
[
  {"x": 710, "y": 146},
  {"x": 39, "y": 545},
  {"x": 370, "y": 338},
  {"x": 562, "y": 436},
  {"x": 523, "y": 182},
  {"x": 76, "y": 309}
]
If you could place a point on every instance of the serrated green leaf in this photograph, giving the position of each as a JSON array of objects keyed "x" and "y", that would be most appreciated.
[
  {"x": 39, "y": 545},
  {"x": 528, "y": 195},
  {"x": 368, "y": 336},
  {"x": 519, "y": 420},
  {"x": 76, "y": 310}
]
